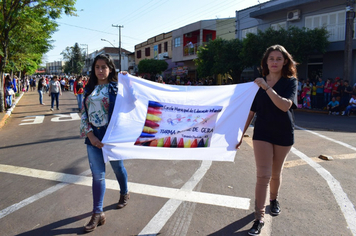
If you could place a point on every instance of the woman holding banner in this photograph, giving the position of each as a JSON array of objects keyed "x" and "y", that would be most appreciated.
[
  {"x": 274, "y": 127},
  {"x": 99, "y": 100}
]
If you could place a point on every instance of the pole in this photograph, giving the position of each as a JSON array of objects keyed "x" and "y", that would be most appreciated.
[
  {"x": 119, "y": 26},
  {"x": 349, "y": 34}
]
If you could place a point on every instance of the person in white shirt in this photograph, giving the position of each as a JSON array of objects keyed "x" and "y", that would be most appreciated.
[{"x": 351, "y": 106}]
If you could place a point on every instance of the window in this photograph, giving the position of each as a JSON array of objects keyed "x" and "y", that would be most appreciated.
[
  {"x": 334, "y": 23},
  {"x": 252, "y": 30},
  {"x": 138, "y": 54},
  {"x": 177, "y": 42},
  {"x": 159, "y": 48},
  {"x": 208, "y": 37},
  {"x": 147, "y": 52},
  {"x": 278, "y": 26},
  {"x": 165, "y": 46}
]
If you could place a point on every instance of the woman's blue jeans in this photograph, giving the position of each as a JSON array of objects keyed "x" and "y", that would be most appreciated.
[
  {"x": 54, "y": 96},
  {"x": 97, "y": 166},
  {"x": 41, "y": 96},
  {"x": 80, "y": 101},
  {"x": 9, "y": 100}
]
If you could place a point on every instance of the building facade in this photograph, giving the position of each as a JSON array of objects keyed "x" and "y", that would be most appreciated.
[
  {"x": 55, "y": 68},
  {"x": 187, "y": 40},
  {"x": 310, "y": 14},
  {"x": 158, "y": 47},
  {"x": 114, "y": 54}
]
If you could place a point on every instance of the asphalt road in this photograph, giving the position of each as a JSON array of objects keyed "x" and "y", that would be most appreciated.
[{"x": 46, "y": 186}]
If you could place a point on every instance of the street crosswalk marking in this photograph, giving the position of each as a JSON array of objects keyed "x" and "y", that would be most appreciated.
[{"x": 151, "y": 190}]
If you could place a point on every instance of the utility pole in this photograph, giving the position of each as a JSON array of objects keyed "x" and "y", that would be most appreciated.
[
  {"x": 119, "y": 26},
  {"x": 349, "y": 34}
]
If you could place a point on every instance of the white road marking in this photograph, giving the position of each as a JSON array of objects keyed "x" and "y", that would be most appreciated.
[
  {"x": 34, "y": 198},
  {"x": 346, "y": 206},
  {"x": 330, "y": 139},
  {"x": 342, "y": 200},
  {"x": 166, "y": 212},
  {"x": 71, "y": 116},
  {"x": 34, "y": 120},
  {"x": 183, "y": 194}
]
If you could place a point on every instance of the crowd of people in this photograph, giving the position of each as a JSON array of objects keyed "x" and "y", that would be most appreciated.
[
  {"x": 336, "y": 96},
  {"x": 52, "y": 85}
]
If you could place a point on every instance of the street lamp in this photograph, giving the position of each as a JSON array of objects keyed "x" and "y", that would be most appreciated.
[{"x": 108, "y": 42}]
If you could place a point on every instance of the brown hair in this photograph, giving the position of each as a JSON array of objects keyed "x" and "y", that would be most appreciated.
[{"x": 289, "y": 69}]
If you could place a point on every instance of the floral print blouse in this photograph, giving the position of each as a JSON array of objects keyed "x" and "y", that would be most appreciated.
[{"x": 98, "y": 108}]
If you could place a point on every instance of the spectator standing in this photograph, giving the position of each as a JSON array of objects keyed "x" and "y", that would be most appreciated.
[
  {"x": 27, "y": 82},
  {"x": 15, "y": 83},
  {"x": 327, "y": 91},
  {"x": 313, "y": 95},
  {"x": 345, "y": 94},
  {"x": 336, "y": 90},
  {"x": 54, "y": 91},
  {"x": 63, "y": 83},
  {"x": 79, "y": 91},
  {"x": 9, "y": 91},
  {"x": 71, "y": 83},
  {"x": 40, "y": 87},
  {"x": 306, "y": 95},
  {"x": 33, "y": 83},
  {"x": 320, "y": 92}
]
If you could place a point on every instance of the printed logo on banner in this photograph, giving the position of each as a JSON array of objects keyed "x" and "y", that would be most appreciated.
[{"x": 178, "y": 126}]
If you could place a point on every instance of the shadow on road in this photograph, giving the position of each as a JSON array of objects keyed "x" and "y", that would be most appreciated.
[
  {"x": 52, "y": 229},
  {"x": 232, "y": 229}
]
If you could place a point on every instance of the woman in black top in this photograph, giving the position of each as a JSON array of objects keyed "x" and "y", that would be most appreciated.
[
  {"x": 40, "y": 87},
  {"x": 273, "y": 135}
]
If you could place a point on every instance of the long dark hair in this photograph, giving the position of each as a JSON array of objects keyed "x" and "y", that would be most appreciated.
[
  {"x": 93, "y": 80},
  {"x": 289, "y": 69},
  {"x": 7, "y": 80}
]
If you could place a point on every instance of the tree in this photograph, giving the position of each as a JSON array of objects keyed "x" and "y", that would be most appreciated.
[
  {"x": 25, "y": 32},
  {"x": 233, "y": 56},
  {"x": 221, "y": 56},
  {"x": 74, "y": 57},
  {"x": 299, "y": 42},
  {"x": 152, "y": 66}
]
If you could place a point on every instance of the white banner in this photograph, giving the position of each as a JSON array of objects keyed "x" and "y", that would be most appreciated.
[{"x": 173, "y": 122}]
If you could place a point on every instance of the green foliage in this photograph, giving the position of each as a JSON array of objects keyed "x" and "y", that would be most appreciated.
[
  {"x": 152, "y": 66},
  {"x": 25, "y": 32},
  {"x": 74, "y": 57},
  {"x": 233, "y": 56},
  {"x": 299, "y": 42},
  {"x": 220, "y": 57}
]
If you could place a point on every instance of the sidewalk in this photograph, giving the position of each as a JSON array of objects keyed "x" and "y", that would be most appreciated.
[{"x": 7, "y": 114}]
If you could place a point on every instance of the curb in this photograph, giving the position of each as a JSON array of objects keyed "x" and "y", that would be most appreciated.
[{"x": 9, "y": 111}]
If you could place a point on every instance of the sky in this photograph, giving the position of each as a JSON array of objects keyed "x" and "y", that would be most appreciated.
[{"x": 141, "y": 20}]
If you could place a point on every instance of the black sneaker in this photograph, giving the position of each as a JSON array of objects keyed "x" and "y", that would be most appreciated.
[
  {"x": 256, "y": 228},
  {"x": 274, "y": 207}
]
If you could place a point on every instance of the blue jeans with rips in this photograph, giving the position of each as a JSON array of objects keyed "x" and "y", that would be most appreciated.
[{"x": 97, "y": 166}]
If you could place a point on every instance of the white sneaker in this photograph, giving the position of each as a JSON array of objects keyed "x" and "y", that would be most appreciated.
[
  {"x": 51, "y": 109},
  {"x": 343, "y": 113}
]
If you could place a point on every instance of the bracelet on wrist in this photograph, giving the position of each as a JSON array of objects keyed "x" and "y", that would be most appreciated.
[{"x": 267, "y": 88}]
